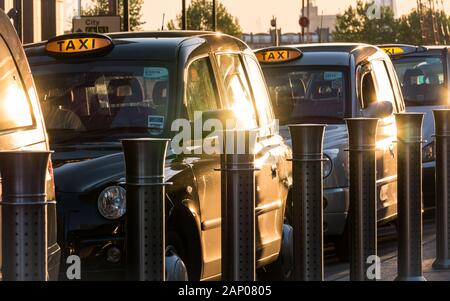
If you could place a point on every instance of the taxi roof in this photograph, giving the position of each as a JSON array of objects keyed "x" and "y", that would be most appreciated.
[
  {"x": 336, "y": 54},
  {"x": 158, "y": 45}
]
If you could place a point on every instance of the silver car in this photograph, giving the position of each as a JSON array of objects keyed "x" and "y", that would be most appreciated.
[{"x": 326, "y": 83}]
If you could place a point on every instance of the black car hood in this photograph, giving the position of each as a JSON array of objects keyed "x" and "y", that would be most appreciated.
[{"x": 82, "y": 168}]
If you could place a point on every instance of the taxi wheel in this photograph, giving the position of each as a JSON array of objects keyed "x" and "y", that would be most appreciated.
[
  {"x": 342, "y": 244},
  {"x": 282, "y": 268},
  {"x": 175, "y": 267}
]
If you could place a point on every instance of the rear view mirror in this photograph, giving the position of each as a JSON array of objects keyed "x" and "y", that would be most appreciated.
[{"x": 379, "y": 109}]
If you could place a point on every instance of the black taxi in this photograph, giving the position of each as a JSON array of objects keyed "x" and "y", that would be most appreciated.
[
  {"x": 326, "y": 83},
  {"x": 423, "y": 72},
  {"x": 22, "y": 128},
  {"x": 96, "y": 90}
]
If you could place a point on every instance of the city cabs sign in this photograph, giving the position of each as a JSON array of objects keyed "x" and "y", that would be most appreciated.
[
  {"x": 277, "y": 55},
  {"x": 99, "y": 24},
  {"x": 78, "y": 44}
]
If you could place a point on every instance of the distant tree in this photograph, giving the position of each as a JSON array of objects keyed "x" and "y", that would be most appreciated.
[
  {"x": 350, "y": 25},
  {"x": 409, "y": 31},
  {"x": 356, "y": 25},
  {"x": 443, "y": 23},
  {"x": 101, "y": 8},
  {"x": 199, "y": 17}
]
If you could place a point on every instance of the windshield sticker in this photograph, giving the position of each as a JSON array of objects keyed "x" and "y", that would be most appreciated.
[
  {"x": 332, "y": 75},
  {"x": 155, "y": 122},
  {"x": 156, "y": 73}
]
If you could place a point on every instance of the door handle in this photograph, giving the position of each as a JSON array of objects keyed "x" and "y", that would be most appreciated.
[
  {"x": 274, "y": 171},
  {"x": 392, "y": 150}
]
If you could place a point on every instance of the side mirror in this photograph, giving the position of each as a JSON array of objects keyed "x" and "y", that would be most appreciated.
[{"x": 379, "y": 109}]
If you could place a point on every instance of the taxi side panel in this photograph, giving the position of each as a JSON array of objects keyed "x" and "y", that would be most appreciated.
[{"x": 32, "y": 138}]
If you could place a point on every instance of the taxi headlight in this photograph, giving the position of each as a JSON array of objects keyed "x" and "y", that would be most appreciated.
[
  {"x": 112, "y": 202},
  {"x": 428, "y": 153},
  {"x": 327, "y": 166}
]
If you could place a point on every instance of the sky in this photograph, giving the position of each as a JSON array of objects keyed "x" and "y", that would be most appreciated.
[{"x": 254, "y": 15}]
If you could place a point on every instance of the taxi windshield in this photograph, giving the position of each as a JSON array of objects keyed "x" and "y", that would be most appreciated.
[
  {"x": 308, "y": 94},
  {"x": 103, "y": 100},
  {"x": 422, "y": 80}
]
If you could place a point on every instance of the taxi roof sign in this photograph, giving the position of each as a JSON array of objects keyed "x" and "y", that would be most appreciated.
[
  {"x": 78, "y": 43},
  {"x": 278, "y": 55},
  {"x": 400, "y": 49},
  {"x": 393, "y": 50}
]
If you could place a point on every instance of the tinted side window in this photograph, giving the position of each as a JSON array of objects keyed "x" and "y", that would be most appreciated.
[
  {"x": 260, "y": 93},
  {"x": 384, "y": 84},
  {"x": 368, "y": 94},
  {"x": 237, "y": 89},
  {"x": 200, "y": 89},
  {"x": 14, "y": 105}
]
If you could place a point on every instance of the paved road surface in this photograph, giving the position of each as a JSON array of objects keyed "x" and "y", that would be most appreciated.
[{"x": 387, "y": 250}]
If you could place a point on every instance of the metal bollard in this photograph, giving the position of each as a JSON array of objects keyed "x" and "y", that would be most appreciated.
[
  {"x": 307, "y": 172},
  {"x": 238, "y": 205},
  {"x": 24, "y": 215},
  {"x": 442, "y": 144},
  {"x": 145, "y": 222},
  {"x": 409, "y": 190},
  {"x": 363, "y": 195}
]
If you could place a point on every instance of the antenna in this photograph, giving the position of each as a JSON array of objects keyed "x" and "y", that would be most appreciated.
[
  {"x": 321, "y": 28},
  {"x": 162, "y": 24}
]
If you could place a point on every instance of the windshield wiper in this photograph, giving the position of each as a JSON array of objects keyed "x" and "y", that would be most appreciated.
[
  {"x": 302, "y": 118},
  {"x": 121, "y": 129},
  {"x": 95, "y": 133}
]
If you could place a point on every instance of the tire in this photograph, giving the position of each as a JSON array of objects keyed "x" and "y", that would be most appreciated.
[
  {"x": 342, "y": 244},
  {"x": 175, "y": 267},
  {"x": 282, "y": 268}
]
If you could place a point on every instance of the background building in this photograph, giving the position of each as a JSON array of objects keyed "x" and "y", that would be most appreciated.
[
  {"x": 391, "y": 3},
  {"x": 320, "y": 31},
  {"x": 41, "y": 19}
]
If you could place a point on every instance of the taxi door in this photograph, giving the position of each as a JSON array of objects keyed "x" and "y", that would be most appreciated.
[
  {"x": 201, "y": 95},
  {"x": 376, "y": 85},
  {"x": 246, "y": 94},
  {"x": 273, "y": 181}
]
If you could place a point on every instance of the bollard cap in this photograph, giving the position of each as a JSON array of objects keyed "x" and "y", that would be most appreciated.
[
  {"x": 144, "y": 160},
  {"x": 442, "y": 122},
  {"x": 24, "y": 175},
  {"x": 409, "y": 126},
  {"x": 362, "y": 133},
  {"x": 307, "y": 139}
]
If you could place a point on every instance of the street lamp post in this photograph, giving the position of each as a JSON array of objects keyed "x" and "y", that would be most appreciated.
[
  {"x": 113, "y": 7},
  {"x": 183, "y": 15},
  {"x": 126, "y": 20},
  {"x": 18, "y": 20},
  {"x": 214, "y": 15}
]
